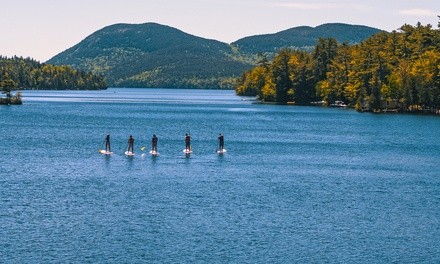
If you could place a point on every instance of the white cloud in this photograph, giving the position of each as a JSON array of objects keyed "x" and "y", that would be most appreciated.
[{"x": 417, "y": 12}]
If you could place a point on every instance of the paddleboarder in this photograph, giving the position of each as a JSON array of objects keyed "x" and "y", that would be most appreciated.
[
  {"x": 187, "y": 142},
  {"x": 221, "y": 142},
  {"x": 130, "y": 144},
  {"x": 107, "y": 143},
  {"x": 154, "y": 143}
]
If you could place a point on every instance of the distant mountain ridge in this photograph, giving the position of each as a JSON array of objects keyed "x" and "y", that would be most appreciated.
[
  {"x": 154, "y": 55},
  {"x": 304, "y": 37}
]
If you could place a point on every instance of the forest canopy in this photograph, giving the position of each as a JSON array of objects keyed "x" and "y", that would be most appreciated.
[
  {"x": 26, "y": 73},
  {"x": 398, "y": 70}
]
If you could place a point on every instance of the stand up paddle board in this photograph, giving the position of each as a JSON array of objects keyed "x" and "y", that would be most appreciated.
[
  {"x": 221, "y": 151},
  {"x": 154, "y": 153},
  {"x": 187, "y": 151},
  {"x": 129, "y": 153},
  {"x": 105, "y": 152}
]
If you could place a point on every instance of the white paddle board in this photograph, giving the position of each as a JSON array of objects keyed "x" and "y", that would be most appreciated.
[
  {"x": 129, "y": 153},
  {"x": 187, "y": 151},
  {"x": 105, "y": 152},
  {"x": 221, "y": 151},
  {"x": 154, "y": 153}
]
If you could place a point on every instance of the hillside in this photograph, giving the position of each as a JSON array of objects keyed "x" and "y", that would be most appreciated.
[
  {"x": 304, "y": 37},
  {"x": 25, "y": 73},
  {"x": 397, "y": 71},
  {"x": 154, "y": 55}
]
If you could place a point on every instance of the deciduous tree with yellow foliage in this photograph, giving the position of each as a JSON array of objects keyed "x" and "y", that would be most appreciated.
[{"x": 399, "y": 70}]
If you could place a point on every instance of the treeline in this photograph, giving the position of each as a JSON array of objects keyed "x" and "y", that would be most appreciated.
[
  {"x": 25, "y": 73},
  {"x": 398, "y": 70}
]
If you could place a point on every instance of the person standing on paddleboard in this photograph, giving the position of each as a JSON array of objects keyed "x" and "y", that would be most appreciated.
[
  {"x": 221, "y": 142},
  {"x": 187, "y": 142},
  {"x": 107, "y": 143},
  {"x": 130, "y": 144},
  {"x": 154, "y": 143}
]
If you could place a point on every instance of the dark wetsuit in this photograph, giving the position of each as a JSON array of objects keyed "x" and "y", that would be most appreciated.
[
  {"x": 107, "y": 143},
  {"x": 188, "y": 142},
  {"x": 131, "y": 144},
  {"x": 221, "y": 142},
  {"x": 154, "y": 143}
]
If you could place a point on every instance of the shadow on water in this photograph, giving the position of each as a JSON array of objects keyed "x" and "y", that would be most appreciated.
[
  {"x": 220, "y": 157},
  {"x": 154, "y": 159},
  {"x": 130, "y": 161},
  {"x": 187, "y": 159},
  {"x": 107, "y": 161}
]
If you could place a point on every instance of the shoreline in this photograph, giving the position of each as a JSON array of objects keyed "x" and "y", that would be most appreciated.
[
  {"x": 12, "y": 100},
  {"x": 426, "y": 112}
]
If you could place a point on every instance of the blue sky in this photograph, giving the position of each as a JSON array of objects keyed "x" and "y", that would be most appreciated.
[{"x": 43, "y": 28}]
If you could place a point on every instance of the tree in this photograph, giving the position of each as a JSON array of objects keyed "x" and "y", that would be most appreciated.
[
  {"x": 7, "y": 85},
  {"x": 28, "y": 73},
  {"x": 425, "y": 74},
  {"x": 281, "y": 75},
  {"x": 304, "y": 90},
  {"x": 325, "y": 51},
  {"x": 401, "y": 66},
  {"x": 263, "y": 61},
  {"x": 252, "y": 82}
]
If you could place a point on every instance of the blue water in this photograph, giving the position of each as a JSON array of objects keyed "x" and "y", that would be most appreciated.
[{"x": 297, "y": 185}]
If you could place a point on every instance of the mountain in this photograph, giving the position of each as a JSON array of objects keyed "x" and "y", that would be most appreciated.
[
  {"x": 154, "y": 55},
  {"x": 304, "y": 37}
]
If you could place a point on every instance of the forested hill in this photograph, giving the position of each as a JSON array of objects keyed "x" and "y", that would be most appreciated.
[
  {"x": 25, "y": 73},
  {"x": 154, "y": 55},
  {"x": 398, "y": 71},
  {"x": 304, "y": 37}
]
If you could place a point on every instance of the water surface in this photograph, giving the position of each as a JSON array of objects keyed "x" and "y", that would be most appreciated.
[{"x": 298, "y": 184}]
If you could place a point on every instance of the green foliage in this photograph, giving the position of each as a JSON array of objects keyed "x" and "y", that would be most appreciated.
[
  {"x": 153, "y": 55},
  {"x": 7, "y": 85},
  {"x": 25, "y": 73},
  {"x": 304, "y": 38},
  {"x": 281, "y": 75},
  {"x": 291, "y": 76},
  {"x": 398, "y": 70}
]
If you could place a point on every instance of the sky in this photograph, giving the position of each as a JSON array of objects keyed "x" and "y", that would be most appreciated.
[{"x": 41, "y": 29}]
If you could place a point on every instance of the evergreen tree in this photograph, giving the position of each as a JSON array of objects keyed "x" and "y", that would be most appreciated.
[
  {"x": 281, "y": 75},
  {"x": 30, "y": 74},
  {"x": 398, "y": 67}
]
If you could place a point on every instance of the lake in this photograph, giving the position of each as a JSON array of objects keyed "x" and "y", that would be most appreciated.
[{"x": 297, "y": 184}]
